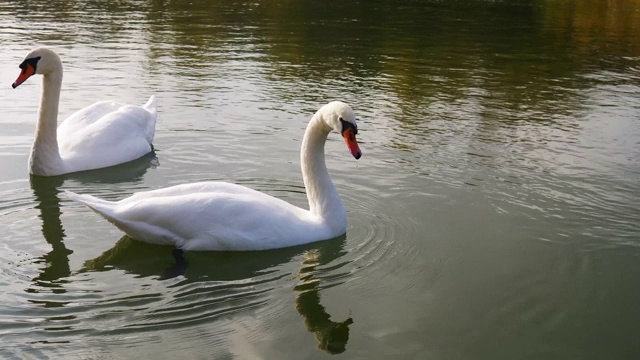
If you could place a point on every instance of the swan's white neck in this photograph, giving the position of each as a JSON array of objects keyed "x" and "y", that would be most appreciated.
[
  {"x": 324, "y": 200},
  {"x": 45, "y": 156}
]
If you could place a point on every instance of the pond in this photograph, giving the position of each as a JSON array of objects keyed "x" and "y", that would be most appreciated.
[{"x": 494, "y": 213}]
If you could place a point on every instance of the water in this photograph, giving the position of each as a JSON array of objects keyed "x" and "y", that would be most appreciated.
[{"x": 493, "y": 215}]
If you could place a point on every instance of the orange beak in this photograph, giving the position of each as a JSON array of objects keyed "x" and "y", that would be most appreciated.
[
  {"x": 27, "y": 72},
  {"x": 352, "y": 143}
]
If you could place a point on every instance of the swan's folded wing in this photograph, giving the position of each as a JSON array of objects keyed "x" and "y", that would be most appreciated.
[
  {"x": 143, "y": 117},
  {"x": 116, "y": 138},
  {"x": 85, "y": 117}
]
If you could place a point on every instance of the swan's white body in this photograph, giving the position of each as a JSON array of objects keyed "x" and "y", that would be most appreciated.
[
  {"x": 101, "y": 135},
  {"x": 225, "y": 216},
  {"x": 212, "y": 216}
]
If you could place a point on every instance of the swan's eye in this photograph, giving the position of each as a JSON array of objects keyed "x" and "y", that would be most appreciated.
[
  {"x": 30, "y": 61},
  {"x": 349, "y": 125}
]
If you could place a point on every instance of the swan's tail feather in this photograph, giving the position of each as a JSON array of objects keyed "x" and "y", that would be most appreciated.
[
  {"x": 101, "y": 207},
  {"x": 151, "y": 106},
  {"x": 109, "y": 211},
  {"x": 85, "y": 199}
]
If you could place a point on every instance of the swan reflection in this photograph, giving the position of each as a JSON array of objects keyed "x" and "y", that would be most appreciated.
[
  {"x": 332, "y": 335},
  {"x": 46, "y": 189}
]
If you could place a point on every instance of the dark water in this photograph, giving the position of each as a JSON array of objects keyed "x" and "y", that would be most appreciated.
[{"x": 494, "y": 214}]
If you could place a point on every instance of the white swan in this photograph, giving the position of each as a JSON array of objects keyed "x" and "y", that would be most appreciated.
[
  {"x": 101, "y": 135},
  {"x": 224, "y": 216}
]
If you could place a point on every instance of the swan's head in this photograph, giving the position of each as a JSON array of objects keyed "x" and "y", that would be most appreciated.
[
  {"x": 38, "y": 61},
  {"x": 340, "y": 117}
]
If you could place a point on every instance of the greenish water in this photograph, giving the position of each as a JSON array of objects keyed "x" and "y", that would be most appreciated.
[{"x": 494, "y": 213}]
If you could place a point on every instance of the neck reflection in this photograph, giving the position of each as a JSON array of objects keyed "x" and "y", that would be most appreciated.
[
  {"x": 56, "y": 261},
  {"x": 46, "y": 190},
  {"x": 332, "y": 336}
]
